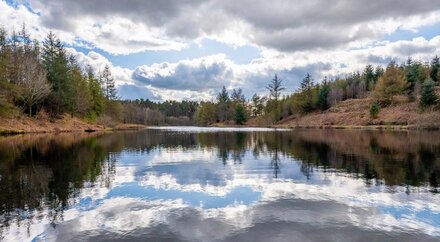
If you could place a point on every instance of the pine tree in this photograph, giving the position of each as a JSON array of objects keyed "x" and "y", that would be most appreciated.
[
  {"x": 223, "y": 96},
  {"x": 369, "y": 77},
  {"x": 435, "y": 69},
  {"x": 108, "y": 84},
  {"x": 257, "y": 105},
  {"x": 240, "y": 115},
  {"x": 275, "y": 87},
  {"x": 237, "y": 96},
  {"x": 412, "y": 75},
  {"x": 322, "y": 101},
  {"x": 97, "y": 96},
  {"x": 56, "y": 62},
  {"x": 307, "y": 94},
  {"x": 428, "y": 96}
]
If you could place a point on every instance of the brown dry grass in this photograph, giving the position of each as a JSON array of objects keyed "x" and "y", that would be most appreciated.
[
  {"x": 23, "y": 124},
  {"x": 355, "y": 113}
]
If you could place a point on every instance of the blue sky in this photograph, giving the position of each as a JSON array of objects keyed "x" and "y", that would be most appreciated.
[{"x": 189, "y": 49}]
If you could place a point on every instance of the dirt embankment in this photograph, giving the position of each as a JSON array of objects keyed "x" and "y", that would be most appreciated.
[
  {"x": 66, "y": 123},
  {"x": 355, "y": 113}
]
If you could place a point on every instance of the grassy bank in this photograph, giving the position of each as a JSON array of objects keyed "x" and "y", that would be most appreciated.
[
  {"x": 23, "y": 124},
  {"x": 355, "y": 114}
]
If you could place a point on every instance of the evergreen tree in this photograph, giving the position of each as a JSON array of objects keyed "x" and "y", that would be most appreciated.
[
  {"x": 307, "y": 94},
  {"x": 435, "y": 69},
  {"x": 275, "y": 87},
  {"x": 223, "y": 96},
  {"x": 428, "y": 96},
  {"x": 369, "y": 77},
  {"x": 240, "y": 115},
  {"x": 412, "y": 75},
  {"x": 223, "y": 106},
  {"x": 322, "y": 101},
  {"x": 238, "y": 96},
  {"x": 56, "y": 62},
  {"x": 97, "y": 96},
  {"x": 108, "y": 84},
  {"x": 257, "y": 105}
]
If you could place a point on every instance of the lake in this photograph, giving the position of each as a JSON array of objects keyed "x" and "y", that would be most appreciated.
[{"x": 212, "y": 184}]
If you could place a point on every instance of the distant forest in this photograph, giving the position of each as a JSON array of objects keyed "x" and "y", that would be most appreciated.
[{"x": 42, "y": 80}]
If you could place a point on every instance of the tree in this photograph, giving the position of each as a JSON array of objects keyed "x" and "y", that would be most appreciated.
[
  {"x": 374, "y": 110},
  {"x": 34, "y": 86},
  {"x": 435, "y": 69},
  {"x": 81, "y": 103},
  {"x": 275, "y": 87},
  {"x": 307, "y": 94},
  {"x": 240, "y": 114},
  {"x": 223, "y": 105},
  {"x": 369, "y": 77},
  {"x": 257, "y": 105},
  {"x": 391, "y": 83},
  {"x": 97, "y": 96},
  {"x": 428, "y": 96},
  {"x": 108, "y": 84},
  {"x": 238, "y": 96},
  {"x": 412, "y": 75},
  {"x": 223, "y": 96},
  {"x": 57, "y": 67},
  {"x": 322, "y": 101},
  {"x": 205, "y": 113}
]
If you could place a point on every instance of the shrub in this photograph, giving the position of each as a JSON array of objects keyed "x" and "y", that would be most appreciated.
[{"x": 374, "y": 110}]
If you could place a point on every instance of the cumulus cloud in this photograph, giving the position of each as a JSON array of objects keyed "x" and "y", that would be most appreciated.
[
  {"x": 135, "y": 25},
  {"x": 320, "y": 37},
  {"x": 199, "y": 74}
]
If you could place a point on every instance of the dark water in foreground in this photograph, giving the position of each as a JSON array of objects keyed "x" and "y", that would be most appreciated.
[{"x": 211, "y": 185}]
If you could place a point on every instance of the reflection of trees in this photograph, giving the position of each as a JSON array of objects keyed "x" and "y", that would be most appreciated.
[
  {"x": 395, "y": 158},
  {"x": 46, "y": 171}
]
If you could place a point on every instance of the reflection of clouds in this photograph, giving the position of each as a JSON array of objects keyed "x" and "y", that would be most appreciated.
[
  {"x": 176, "y": 155},
  {"x": 131, "y": 218},
  {"x": 190, "y": 129}
]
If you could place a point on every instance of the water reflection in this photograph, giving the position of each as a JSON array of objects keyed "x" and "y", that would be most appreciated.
[{"x": 169, "y": 184}]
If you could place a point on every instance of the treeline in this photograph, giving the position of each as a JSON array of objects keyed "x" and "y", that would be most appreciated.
[
  {"x": 43, "y": 80},
  {"x": 412, "y": 81},
  {"x": 147, "y": 112}
]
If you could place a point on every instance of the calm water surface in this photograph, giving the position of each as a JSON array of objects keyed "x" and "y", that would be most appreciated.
[{"x": 203, "y": 184}]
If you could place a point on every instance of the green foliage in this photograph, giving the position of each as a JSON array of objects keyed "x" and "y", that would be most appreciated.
[
  {"x": 305, "y": 100},
  {"x": 206, "y": 113},
  {"x": 97, "y": 98},
  {"x": 240, "y": 115},
  {"x": 369, "y": 77},
  {"x": 322, "y": 100},
  {"x": 428, "y": 97},
  {"x": 374, "y": 110},
  {"x": 108, "y": 84},
  {"x": 223, "y": 96},
  {"x": 392, "y": 83},
  {"x": 257, "y": 105},
  {"x": 275, "y": 87},
  {"x": 435, "y": 69},
  {"x": 412, "y": 75}
]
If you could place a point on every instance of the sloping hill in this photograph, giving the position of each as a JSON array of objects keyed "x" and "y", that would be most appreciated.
[{"x": 356, "y": 112}]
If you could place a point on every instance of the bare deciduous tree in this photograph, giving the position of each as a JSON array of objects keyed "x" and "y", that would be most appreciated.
[{"x": 34, "y": 85}]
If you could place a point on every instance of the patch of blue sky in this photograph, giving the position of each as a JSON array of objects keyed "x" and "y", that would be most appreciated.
[
  {"x": 239, "y": 55},
  {"x": 425, "y": 215},
  {"x": 428, "y": 32},
  {"x": 15, "y": 4},
  {"x": 238, "y": 195}
]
